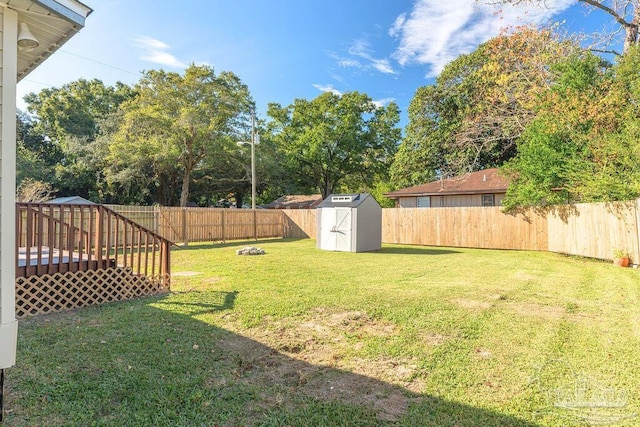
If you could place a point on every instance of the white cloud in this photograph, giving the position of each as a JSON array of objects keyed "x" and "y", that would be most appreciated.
[
  {"x": 382, "y": 102},
  {"x": 383, "y": 65},
  {"x": 361, "y": 57},
  {"x": 156, "y": 51},
  {"x": 396, "y": 28},
  {"x": 349, "y": 63},
  {"x": 436, "y": 31},
  {"x": 327, "y": 88}
]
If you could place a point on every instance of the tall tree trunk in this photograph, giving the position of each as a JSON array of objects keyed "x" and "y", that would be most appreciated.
[
  {"x": 188, "y": 168},
  {"x": 631, "y": 30},
  {"x": 327, "y": 188},
  {"x": 184, "y": 194}
]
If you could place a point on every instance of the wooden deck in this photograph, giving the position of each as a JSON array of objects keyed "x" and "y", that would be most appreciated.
[
  {"x": 71, "y": 256},
  {"x": 44, "y": 260},
  {"x": 47, "y": 256}
]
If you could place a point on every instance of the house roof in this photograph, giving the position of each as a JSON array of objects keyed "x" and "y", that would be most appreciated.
[
  {"x": 481, "y": 182},
  {"x": 296, "y": 201},
  {"x": 71, "y": 200},
  {"x": 52, "y": 23},
  {"x": 344, "y": 200}
]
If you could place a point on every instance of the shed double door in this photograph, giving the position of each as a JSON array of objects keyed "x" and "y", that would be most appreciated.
[{"x": 336, "y": 229}]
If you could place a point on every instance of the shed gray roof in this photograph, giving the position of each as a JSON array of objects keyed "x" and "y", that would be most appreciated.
[{"x": 344, "y": 200}]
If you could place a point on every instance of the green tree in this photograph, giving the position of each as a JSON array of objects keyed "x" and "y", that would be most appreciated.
[
  {"x": 336, "y": 142},
  {"x": 584, "y": 144},
  {"x": 75, "y": 109},
  {"x": 35, "y": 155},
  {"x": 67, "y": 121},
  {"x": 478, "y": 108},
  {"x": 174, "y": 124}
]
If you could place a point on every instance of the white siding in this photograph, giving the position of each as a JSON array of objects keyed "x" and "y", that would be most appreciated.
[
  {"x": 8, "y": 73},
  {"x": 462, "y": 200},
  {"x": 449, "y": 201},
  {"x": 407, "y": 202}
]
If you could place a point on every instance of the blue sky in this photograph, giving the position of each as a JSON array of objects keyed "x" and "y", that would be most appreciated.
[{"x": 288, "y": 49}]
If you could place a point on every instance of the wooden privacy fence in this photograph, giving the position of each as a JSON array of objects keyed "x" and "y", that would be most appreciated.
[
  {"x": 596, "y": 229},
  {"x": 473, "y": 227},
  {"x": 72, "y": 256},
  {"x": 299, "y": 223},
  {"x": 592, "y": 230},
  {"x": 206, "y": 224},
  {"x": 470, "y": 227}
]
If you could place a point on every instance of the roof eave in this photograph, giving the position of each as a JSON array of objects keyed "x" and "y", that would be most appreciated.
[
  {"x": 73, "y": 16},
  {"x": 70, "y": 12}
]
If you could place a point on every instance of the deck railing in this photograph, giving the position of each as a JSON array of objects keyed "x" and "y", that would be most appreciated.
[{"x": 55, "y": 238}]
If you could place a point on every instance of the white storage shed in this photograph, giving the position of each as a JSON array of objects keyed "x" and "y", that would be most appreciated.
[{"x": 349, "y": 223}]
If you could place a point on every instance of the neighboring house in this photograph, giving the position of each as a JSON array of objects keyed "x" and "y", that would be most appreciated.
[
  {"x": 295, "y": 202},
  {"x": 30, "y": 32},
  {"x": 482, "y": 188}
]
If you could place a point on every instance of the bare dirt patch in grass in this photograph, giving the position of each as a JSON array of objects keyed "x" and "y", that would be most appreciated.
[
  {"x": 528, "y": 309},
  {"x": 308, "y": 357},
  {"x": 185, "y": 273},
  {"x": 434, "y": 339}
]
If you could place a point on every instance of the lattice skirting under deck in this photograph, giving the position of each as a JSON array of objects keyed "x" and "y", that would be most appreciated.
[{"x": 37, "y": 295}]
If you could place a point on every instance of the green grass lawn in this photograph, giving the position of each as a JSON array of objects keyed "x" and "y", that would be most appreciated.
[{"x": 410, "y": 336}]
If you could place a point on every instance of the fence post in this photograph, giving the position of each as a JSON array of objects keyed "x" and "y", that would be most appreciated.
[
  {"x": 255, "y": 225},
  {"x": 185, "y": 237},
  {"x": 284, "y": 222},
  {"x": 156, "y": 222},
  {"x": 222, "y": 232}
]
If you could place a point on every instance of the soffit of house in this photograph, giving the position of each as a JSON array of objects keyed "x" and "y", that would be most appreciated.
[{"x": 52, "y": 22}]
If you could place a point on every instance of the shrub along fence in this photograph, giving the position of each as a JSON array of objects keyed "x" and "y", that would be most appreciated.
[{"x": 592, "y": 230}]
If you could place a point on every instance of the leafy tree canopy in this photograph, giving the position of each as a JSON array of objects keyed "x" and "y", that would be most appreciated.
[
  {"x": 173, "y": 127},
  {"x": 335, "y": 142},
  {"x": 61, "y": 132},
  {"x": 478, "y": 108},
  {"x": 584, "y": 144}
]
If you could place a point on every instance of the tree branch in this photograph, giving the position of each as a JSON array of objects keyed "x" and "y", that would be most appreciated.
[
  {"x": 607, "y": 9},
  {"x": 612, "y": 51}
]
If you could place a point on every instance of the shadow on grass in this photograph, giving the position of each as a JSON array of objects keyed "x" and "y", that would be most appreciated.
[
  {"x": 415, "y": 250},
  {"x": 229, "y": 244},
  {"x": 160, "y": 361}
]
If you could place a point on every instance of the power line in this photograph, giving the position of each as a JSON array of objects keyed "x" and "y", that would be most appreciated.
[
  {"x": 100, "y": 63},
  {"x": 86, "y": 59}
]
